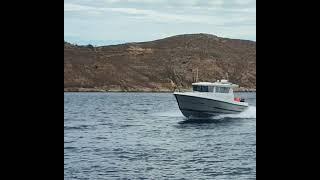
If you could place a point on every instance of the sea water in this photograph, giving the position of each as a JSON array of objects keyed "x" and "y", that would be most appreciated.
[{"x": 145, "y": 136}]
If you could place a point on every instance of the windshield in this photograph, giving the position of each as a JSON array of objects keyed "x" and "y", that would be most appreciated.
[
  {"x": 222, "y": 89},
  {"x": 201, "y": 88}
]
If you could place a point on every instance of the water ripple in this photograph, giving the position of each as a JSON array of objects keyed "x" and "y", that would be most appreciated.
[{"x": 145, "y": 136}]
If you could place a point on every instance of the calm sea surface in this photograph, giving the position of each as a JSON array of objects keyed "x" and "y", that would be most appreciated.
[{"x": 145, "y": 136}]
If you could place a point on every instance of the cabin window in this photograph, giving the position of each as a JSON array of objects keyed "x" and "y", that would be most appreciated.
[
  {"x": 210, "y": 89},
  {"x": 200, "y": 88},
  {"x": 222, "y": 89},
  {"x": 204, "y": 88},
  {"x": 195, "y": 88}
]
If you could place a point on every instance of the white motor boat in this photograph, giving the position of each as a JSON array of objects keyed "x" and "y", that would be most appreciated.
[{"x": 210, "y": 99}]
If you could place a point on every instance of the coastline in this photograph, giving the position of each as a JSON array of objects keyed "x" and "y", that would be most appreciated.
[{"x": 74, "y": 90}]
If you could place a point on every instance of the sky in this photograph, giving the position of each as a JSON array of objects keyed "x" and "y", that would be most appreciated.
[{"x": 107, "y": 22}]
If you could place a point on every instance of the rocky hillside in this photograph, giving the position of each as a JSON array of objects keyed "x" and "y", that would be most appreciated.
[{"x": 159, "y": 65}]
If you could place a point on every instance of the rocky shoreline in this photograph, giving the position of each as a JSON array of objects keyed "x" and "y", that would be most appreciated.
[
  {"x": 161, "y": 65},
  {"x": 141, "y": 90}
]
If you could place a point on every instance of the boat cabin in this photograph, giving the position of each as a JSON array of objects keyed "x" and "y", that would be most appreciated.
[{"x": 222, "y": 86}]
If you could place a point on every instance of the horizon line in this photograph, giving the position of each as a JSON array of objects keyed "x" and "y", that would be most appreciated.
[{"x": 120, "y": 42}]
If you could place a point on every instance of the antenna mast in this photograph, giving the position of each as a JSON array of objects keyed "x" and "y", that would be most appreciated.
[{"x": 197, "y": 76}]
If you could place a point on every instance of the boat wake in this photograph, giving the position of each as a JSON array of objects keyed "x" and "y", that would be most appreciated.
[{"x": 249, "y": 113}]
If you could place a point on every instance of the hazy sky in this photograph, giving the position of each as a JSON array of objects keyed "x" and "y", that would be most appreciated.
[{"x": 105, "y": 22}]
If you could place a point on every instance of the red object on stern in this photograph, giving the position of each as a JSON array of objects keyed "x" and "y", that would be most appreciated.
[{"x": 237, "y": 99}]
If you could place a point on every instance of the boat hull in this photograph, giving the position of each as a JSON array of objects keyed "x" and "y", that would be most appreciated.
[{"x": 192, "y": 106}]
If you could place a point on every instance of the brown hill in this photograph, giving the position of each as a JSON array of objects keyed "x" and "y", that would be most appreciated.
[{"x": 158, "y": 65}]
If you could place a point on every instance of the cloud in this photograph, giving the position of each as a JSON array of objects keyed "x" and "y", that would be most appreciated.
[
  {"x": 163, "y": 3},
  {"x": 244, "y": 1},
  {"x": 140, "y": 20},
  {"x": 157, "y": 16}
]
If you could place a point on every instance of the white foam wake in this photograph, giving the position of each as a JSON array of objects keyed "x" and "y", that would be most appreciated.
[{"x": 248, "y": 113}]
